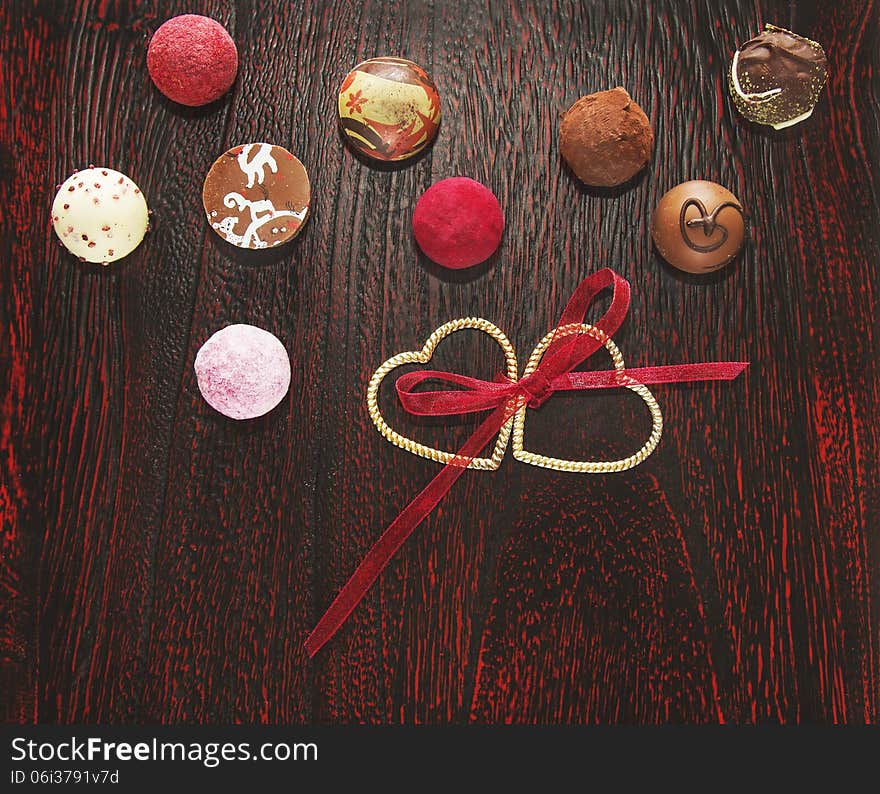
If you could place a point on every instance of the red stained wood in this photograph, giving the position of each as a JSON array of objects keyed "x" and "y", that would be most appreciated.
[{"x": 161, "y": 563}]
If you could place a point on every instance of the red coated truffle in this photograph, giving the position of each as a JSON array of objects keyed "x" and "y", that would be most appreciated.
[
  {"x": 192, "y": 59},
  {"x": 458, "y": 222}
]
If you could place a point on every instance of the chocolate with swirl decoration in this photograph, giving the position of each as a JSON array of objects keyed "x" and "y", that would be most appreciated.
[{"x": 698, "y": 226}]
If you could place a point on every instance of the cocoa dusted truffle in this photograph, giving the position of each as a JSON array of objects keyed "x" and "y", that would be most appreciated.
[
  {"x": 606, "y": 138},
  {"x": 698, "y": 226},
  {"x": 776, "y": 78}
]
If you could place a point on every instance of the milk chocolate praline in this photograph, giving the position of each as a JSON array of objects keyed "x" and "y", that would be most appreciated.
[
  {"x": 606, "y": 138},
  {"x": 698, "y": 226},
  {"x": 776, "y": 77},
  {"x": 256, "y": 195}
]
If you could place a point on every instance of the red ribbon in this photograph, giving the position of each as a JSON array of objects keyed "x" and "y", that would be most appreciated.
[{"x": 503, "y": 397}]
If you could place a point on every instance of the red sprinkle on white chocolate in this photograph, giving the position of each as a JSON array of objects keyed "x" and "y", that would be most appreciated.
[{"x": 95, "y": 214}]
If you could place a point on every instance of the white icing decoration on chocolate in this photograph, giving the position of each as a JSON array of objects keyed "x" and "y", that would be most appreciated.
[
  {"x": 255, "y": 169},
  {"x": 251, "y": 238},
  {"x": 758, "y": 96}
]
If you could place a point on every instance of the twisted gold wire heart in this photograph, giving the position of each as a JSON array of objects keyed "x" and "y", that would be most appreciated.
[
  {"x": 423, "y": 356},
  {"x": 586, "y": 466}
]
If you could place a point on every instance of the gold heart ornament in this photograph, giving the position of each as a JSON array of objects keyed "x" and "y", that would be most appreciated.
[
  {"x": 586, "y": 466},
  {"x": 423, "y": 356}
]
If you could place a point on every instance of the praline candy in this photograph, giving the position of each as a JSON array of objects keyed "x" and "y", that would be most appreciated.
[
  {"x": 389, "y": 108},
  {"x": 698, "y": 226},
  {"x": 243, "y": 371},
  {"x": 257, "y": 195},
  {"x": 776, "y": 77},
  {"x": 458, "y": 222},
  {"x": 100, "y": 215},
  {"x": 192, "y": 59},
  {"x": 606, "y": 138}
]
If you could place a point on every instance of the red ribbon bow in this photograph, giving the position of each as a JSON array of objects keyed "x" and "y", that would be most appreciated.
[{"x": 503, "y": 398}]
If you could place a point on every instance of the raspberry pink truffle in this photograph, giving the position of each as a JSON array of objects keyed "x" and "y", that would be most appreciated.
[
  {"x": 458, "y": 222},
  {"x": 192, "y": 59},
  {"x": 243, "y": 371}
]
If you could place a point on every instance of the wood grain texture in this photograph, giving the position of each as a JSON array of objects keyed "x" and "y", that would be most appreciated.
[{"x": 159, "y": 563}]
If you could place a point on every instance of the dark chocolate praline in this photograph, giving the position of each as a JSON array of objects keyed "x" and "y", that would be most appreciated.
[{"x": 776, "y": 77}]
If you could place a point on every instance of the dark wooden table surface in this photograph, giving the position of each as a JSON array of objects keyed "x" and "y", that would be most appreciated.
[{"x": 162, "y": 563}]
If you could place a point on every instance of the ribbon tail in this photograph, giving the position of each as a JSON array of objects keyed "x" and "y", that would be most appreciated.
[
  {"x": 687, "y": 373},
  {"x": 649, "y": 376},
  {"x": 384, "y": 549}
]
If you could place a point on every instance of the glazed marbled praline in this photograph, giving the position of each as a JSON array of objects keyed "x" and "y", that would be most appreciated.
[{"x": 389, "y": 108}]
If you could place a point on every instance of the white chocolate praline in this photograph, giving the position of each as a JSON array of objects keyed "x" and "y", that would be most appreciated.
[
  {"x": 100, "y": 215},
  {"x": 243, "y": 371}
]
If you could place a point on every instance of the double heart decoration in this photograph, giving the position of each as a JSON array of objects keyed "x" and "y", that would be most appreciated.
[
  {"x": 549, "y": 369},
  {"x": 426, "y": 403}
]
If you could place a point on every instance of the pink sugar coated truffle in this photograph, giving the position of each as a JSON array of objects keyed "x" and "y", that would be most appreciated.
[
  {"x": 192, "y": 59},
  {"x": 458, "y": 222},
  {"x": 243, "y": 371}
]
